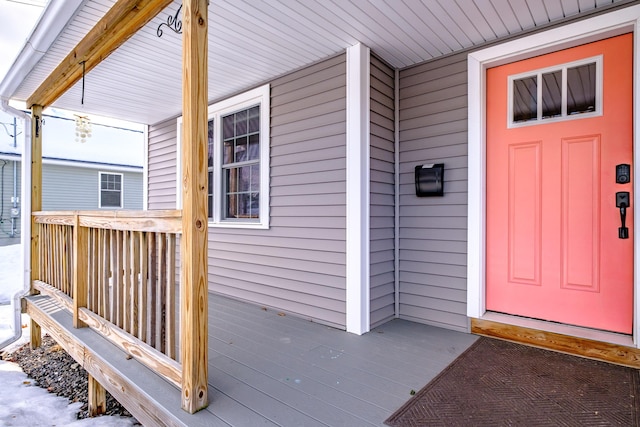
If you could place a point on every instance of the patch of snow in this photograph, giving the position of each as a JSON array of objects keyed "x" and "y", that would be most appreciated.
[
  {"x": 10, "y": 272},
  {"x": 22, "y": 403},
  {"x": 10, "y": 284}
]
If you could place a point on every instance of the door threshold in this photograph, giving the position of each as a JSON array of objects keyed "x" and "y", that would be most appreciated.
[
  {"x": 590, "y": 343},
  {"x": 560, "y": 328}
]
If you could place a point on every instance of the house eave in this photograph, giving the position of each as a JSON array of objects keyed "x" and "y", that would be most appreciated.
[{"x": 52, "y": 22}]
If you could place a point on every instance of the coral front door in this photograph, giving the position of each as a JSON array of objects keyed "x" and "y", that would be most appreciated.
[{"x": 558, "y": 125}]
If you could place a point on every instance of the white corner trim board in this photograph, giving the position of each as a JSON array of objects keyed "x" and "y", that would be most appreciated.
[
  {"x": 599, "y": 27},
  {"x": 358, "y": 148}
]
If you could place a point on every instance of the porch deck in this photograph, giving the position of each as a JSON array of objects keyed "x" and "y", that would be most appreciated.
[{"x": 266, "y": 368}]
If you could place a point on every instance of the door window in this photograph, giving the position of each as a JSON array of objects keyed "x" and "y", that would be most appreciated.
[{"x": 568, "y": 91}]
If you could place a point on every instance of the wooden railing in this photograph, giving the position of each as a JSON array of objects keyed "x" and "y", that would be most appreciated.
[
  {"x": 56, "y": 254},
  {"x": 116, "y": 271}
]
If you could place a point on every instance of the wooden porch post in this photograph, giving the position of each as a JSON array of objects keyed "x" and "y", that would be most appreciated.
[
  {"x": 194, "y": 281},
  {"x": 36, "y": 205},
  {"x": 97, "y": 399}
]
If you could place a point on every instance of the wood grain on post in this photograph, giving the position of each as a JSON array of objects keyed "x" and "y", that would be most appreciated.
[
  {"x": 36, "y": 205},
  {"x": 194, "y": 282}
]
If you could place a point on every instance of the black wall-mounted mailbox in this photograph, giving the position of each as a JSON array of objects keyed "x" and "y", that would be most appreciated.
[{"x": 429, "y": 180}]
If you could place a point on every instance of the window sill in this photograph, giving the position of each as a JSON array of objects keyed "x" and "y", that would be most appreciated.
[{"x": 239, "y": 225}]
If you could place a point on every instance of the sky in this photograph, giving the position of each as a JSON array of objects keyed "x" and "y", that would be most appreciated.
[
  {"x": 22, "y": 402},
  {"x": 17, "y": 19},
  {"x": 107, "y": 144}
]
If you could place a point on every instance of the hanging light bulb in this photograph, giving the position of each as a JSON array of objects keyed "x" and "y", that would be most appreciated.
[{"x": 83, "y": 128}]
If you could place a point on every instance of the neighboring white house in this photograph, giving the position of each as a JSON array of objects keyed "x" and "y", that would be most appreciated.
[{"x": 104, "y": 172}]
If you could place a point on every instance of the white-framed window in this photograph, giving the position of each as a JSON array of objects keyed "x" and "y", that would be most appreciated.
[
  {"x": 111, "y": 190},
  {"x": 563, "y": 92},
  {"x": 238, "y": 160}
]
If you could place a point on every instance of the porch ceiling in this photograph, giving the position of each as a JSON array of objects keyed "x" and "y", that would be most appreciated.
[{"x": 251, "y": 42}]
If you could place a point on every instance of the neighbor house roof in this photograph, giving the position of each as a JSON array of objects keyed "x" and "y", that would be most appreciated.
[
  {"x": 252, "y": 42},
  {"x": 109, "y": 146}
]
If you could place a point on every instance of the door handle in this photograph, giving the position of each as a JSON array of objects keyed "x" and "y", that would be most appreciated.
[{"x": 623, "y": 202}]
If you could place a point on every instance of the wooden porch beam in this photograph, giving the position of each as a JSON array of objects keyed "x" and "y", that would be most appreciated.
[
  {"x": 194, "y": 280},
  {"x": 36, "y": 205},
  {"x": 122, "y": 21}
]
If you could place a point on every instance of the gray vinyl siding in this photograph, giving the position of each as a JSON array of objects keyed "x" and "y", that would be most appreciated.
[
  {"x": 162, "y": 165},
  {"x": 382, "y": 191},
  {"x": 161, "y": 171},
  {"x": 77, "y": 188},
  {"x": 6, "y": 193},
  {"x": 133, "y": 191},
  {"x": 65, "y": 187},
  {"x": 433, "y": 230},
  {"x": 298, "y": 264}
]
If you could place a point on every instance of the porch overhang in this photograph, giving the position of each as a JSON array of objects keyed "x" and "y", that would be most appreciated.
[{"x": 250, "y": 44}]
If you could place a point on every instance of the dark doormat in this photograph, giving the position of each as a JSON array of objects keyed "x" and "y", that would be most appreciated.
[{"x": 499, "y": 383}]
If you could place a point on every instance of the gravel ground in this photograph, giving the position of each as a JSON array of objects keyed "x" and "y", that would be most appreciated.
[{"x": 52, "y": 368}]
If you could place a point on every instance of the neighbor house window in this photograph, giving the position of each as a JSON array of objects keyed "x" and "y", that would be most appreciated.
[
  {"x": 564, "y": 92},
  {"x": 110, "y": 190},
  {"x": 237, "y": 161}
]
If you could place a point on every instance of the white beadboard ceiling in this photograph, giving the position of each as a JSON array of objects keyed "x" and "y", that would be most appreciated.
[{"x": 253, "y": 41}]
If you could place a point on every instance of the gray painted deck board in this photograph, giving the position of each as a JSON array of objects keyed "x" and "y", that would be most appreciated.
[
  {"x": 350, "y": 396},
  {"x": 266, "y": 368},
  {"x": 298, "y": 333},
  {"x": 365, "y": 377}
]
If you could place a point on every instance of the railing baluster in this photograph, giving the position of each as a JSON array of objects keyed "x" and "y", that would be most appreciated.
[
  {"x": 161, "y": 292},
  {"x": 170, "y": 328},
  {"x": 153, "y": 301},
  {"x": 106, "y": 273},
  {"x": 99, "y": 242},
  {"x": 66, "y": 259},
  {"x": 115, "y": 277},
  {"x": 69, "y": 254},
  {"x": 144, "y": 280},
  {"x": 80, "y": 285},
  {"x": 52, "y": 262},
  {"x": 120, "y": 276},
  {"x": 70, "y": 245},
  {"x": 56, "y": 254},
  {"x": 58, "y": 260},
  {"x": 89, "y": 260},
  {"x": 93, "y": 272},
  {"x": 42, "y": 247},
  {"x": 126, "y": 283},
  {"x": 113, "y": 301},
  {"x": 48, "y": 247}
]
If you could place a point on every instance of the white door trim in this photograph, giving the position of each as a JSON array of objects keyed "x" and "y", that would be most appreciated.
[{"x": 607, "y": 25}]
